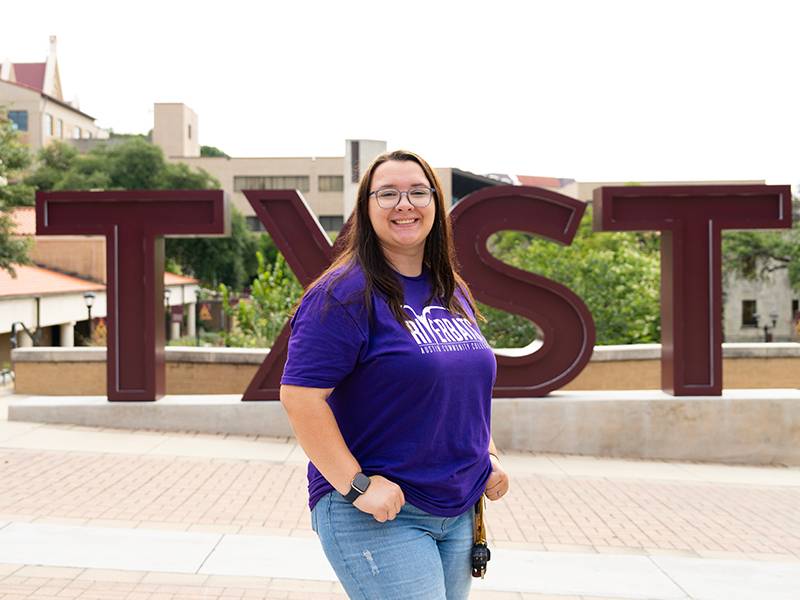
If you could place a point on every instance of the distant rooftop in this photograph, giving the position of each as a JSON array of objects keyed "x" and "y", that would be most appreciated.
[
  {"x": 30, "y": 75},
  {"x": 38, "y": 281}
]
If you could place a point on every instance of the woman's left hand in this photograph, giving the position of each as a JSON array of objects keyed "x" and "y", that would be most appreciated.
[{"x": 497, "y": 484}]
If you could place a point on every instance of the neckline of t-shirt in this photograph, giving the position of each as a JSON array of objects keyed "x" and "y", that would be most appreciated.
[{"x": 419, "y": 277}]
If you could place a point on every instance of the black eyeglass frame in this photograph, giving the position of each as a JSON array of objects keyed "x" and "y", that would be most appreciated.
[{"x": 408, "y": 197}]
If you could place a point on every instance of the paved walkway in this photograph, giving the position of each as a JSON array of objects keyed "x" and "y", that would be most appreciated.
[{"x": 105, "y": 514}]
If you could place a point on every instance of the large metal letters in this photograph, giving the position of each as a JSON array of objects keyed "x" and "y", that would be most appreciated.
[{"x": 690, "y": 218}]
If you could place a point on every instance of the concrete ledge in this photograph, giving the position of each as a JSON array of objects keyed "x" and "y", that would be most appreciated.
[
  {"x": 184, "y": 354},
  {"x": 223, "y": 413},
  {"x": 255, "y": 356},
  {"x": 208, "y": 371},
  {"x": 742, "y": 426},
  {"x": 738, "y": 350}
]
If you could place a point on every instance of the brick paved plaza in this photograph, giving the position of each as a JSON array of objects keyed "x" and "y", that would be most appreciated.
[{"x": 66, "y": 480}]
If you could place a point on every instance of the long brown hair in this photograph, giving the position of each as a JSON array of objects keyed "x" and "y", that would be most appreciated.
[{"x": 361, "y": 246}]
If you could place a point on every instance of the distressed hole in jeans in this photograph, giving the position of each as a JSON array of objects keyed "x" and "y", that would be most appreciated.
[{"x": 368, "y": 555}]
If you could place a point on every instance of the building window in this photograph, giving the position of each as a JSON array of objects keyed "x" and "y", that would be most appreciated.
[
  {"x": 254, "y": 224},
  {"x": 271, "y": 182},
  {"x": 796, "y": 310},
  {"x": 189, "y": 130},
  {"x": 59, "y": 128},
  {"x": 331, "y": 223},
  {"x": 749, "y": 313},
  {"x": 331, "y": 183},
  {"x": 88, "y": 135},
  {"x": 19, "y": 119},
  {"x": 355, "y": 173},
  {"x": 47, "y": 122},
  {"x": 76, "y": 133}
]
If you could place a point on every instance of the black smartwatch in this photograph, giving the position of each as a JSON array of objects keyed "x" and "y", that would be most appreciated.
[{"x": 358, "y": 486}]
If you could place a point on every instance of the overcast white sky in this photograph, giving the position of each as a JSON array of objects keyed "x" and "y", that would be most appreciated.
[{"x": 593, "y": 90}]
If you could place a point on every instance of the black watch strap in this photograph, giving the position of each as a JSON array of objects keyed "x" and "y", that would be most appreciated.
[{"x": 358, "y": 486}]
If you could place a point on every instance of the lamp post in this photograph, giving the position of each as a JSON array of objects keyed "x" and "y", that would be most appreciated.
[
  {"x": 88, "y": 298},
  {"x": 167, "y": 293},
  {"x": 767, "y": 333}
]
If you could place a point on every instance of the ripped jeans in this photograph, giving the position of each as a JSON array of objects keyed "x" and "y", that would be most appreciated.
[{"x": 417, "y": 556}]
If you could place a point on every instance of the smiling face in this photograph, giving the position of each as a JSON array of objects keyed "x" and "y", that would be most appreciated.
[{"x": 401, "y": 230}]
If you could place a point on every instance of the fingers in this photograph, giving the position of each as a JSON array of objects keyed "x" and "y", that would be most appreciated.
[
  {"x": 497, "y": 486},
  {"x": 383, "y": 499},
  {"x": 391, "y": 513}
]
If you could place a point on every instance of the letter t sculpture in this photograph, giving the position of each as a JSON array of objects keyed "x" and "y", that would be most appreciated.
[{"x": 134, "y": 224}]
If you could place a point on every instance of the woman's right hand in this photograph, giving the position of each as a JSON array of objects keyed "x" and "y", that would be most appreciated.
[{"x": 383, "y": 499}]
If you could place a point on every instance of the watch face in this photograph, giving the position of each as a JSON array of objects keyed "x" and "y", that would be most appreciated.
[{"x": 361, "y": 482}]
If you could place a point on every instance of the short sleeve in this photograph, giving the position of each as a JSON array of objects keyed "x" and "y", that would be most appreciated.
[{"x": 325, "y": 342}]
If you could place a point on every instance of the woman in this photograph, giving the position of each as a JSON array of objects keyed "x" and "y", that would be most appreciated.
[{"x": 388, "y": 388}]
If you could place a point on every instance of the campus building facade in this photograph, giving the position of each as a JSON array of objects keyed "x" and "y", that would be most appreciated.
[{"x": 32, "y": 97}]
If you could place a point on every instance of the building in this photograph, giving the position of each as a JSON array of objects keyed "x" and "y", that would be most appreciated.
[
  {"x": 32, "y": 96},
  {"x": 762, "y": 310},
  {"x": 327, "y": 183}
]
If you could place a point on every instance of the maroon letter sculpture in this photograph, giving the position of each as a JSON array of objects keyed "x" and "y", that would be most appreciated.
[
  {"x": 567, "y": 324},
  {"x": 691, "y": 219},
  {"x": 133, "y": 223},
  {"x": 308, "y": 252}
]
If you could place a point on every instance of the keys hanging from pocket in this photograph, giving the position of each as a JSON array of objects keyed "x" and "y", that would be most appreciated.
[{"x": 480, "y": 550}]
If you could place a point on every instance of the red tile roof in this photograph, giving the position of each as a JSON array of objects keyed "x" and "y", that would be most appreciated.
[
  {"x": 30, "y": 75},
  {"x": 37, "y": 281},
  {"x": 173, "y": 279},
  {"x": 24, "y": 220}
]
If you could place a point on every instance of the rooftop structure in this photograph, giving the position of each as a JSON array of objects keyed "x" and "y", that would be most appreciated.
[{"x": 32, "y": 96}]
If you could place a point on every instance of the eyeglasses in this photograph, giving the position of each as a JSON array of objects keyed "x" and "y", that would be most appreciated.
[{"x": 390, "y": 197}]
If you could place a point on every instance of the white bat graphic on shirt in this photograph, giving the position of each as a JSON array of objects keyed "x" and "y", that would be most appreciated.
[{"x": 423, "y": 318}]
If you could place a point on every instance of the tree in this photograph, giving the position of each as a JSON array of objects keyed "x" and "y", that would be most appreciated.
[
  {"x": 52, "y": 162},
  {"x": 213, "y": 152},
  {"x": 231, "y": 260},
  {"x": 754, "y": 254},
  {"x": 14, "y": 158},
  {"x": 617, "y": 275},
  {"x": 259, "y": 319},
  {"x": 135, "y": 163}
]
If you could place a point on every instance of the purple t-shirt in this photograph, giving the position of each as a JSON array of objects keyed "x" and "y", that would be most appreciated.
[{"x": 413, "y": 405}]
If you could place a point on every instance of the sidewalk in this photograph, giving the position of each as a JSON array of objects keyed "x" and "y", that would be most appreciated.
[{"x": 97, "y": 514}]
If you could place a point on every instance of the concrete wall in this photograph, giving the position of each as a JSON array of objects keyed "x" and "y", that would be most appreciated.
[
  {"x": 81, "y": 371},
  {"x": 741, "y": 426}
]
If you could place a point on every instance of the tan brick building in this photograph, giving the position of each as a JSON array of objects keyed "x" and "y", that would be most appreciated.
[{"x": 32, "y": 98}]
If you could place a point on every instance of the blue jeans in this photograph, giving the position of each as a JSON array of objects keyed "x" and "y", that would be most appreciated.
[{"x": 416, "y": 556}]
